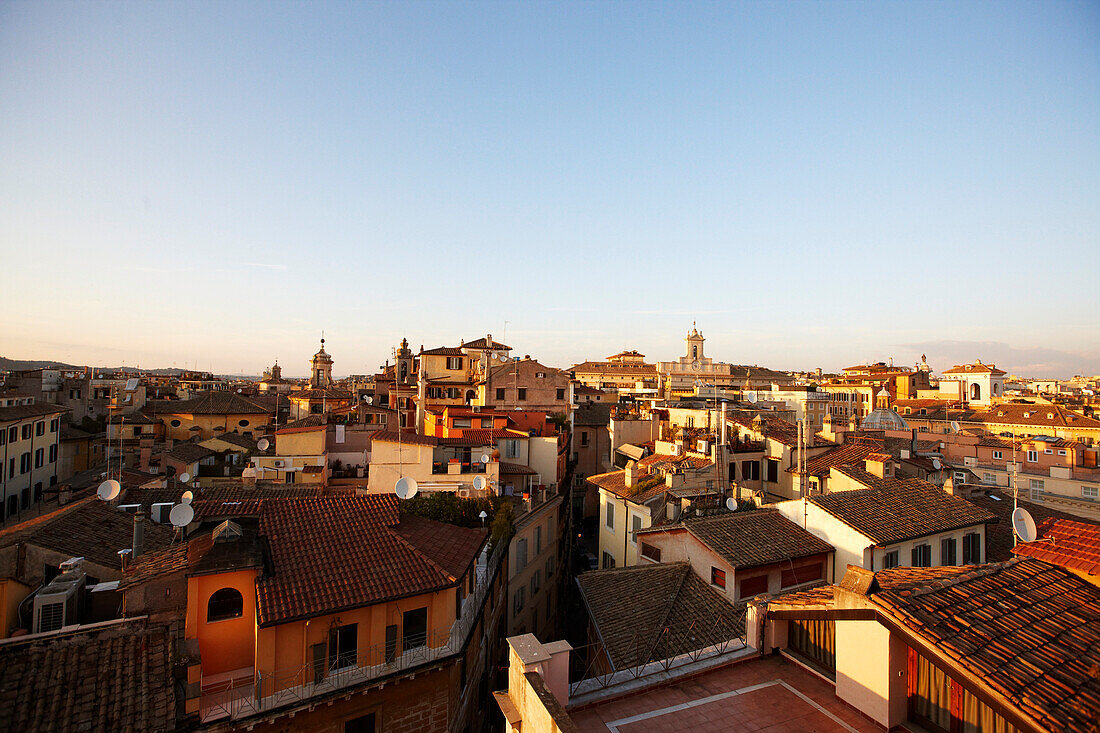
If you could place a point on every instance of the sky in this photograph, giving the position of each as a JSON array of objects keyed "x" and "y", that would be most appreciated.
[{"x": 820, "y": 184}]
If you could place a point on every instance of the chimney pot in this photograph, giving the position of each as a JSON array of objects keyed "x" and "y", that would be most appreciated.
[{"x": 139, "y": 533}]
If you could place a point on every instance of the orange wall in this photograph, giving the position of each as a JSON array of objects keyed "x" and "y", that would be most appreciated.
[{"x": 229, "y": 644}]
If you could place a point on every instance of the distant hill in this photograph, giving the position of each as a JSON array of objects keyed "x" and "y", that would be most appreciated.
[{"x": 17, "y": 365}]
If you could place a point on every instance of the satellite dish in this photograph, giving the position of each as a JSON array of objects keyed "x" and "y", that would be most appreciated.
[
  {"x": 1023, "y": 525},
  {"x": 185, "y": 477},
  {"x": 485, "y": 459},
  {"x": 406, "y": 488},
  {"x": 936, "y": 464},
  {"x": 731, "y": 504},
  {"x": 264, "y": 444},
  {"x": 479, "y": 482},
  {"x": 181, "y": 515},
  {"x": 187, "y": 497},
  {"x": 955, "y": 426},
  {"x": 109, "y": 490},
  {"x": 239, "y": 390}
]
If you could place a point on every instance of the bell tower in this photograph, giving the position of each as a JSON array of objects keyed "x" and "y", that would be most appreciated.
[
  {"x": 694, "y": 342},
  {"x": 321, "y": 369}
]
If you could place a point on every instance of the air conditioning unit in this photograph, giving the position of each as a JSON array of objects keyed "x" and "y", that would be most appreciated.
[
  {"x": 477, "y": 408},
  {"x": 55, "y": 606},
  {"x": 676, "y": 449},
  {"x": 280, "y": 464},
  {"x": 970, "y": 461},
  {"x": 702, "y": 446},
  {"x": 129, "y": 508},
  {"x": 159, "y": 512}
]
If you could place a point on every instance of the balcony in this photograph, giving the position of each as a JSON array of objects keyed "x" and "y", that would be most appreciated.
[{"x": 241, "y": 696}]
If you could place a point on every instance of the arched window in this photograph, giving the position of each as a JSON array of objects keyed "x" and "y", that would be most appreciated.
[
  {"x": 996, "y": 390},
  {"x": 975, "y": 391},
  {"x": 225, "y": 603}
]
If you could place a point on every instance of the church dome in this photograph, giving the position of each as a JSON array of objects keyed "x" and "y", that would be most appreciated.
[{"x": 883, "y": 418}]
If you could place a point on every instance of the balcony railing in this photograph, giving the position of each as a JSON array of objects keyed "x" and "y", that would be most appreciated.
[
  {"x": 269, "y": 690},
  {"x": 442, "y": 467}
]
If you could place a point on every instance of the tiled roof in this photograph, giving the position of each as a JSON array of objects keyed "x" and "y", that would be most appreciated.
[
  {"x": 642, "y": 371},
  {"x": 1034, "y": 416},
  {"x": 516, "y": 469},
  {"x": 25, "y": 412},
  {"x": 443, "y": 351},
  {"x": 999, "y": 536},
  {"x": 1072, "y": 545},
  {"x": 978, "y": 368},
  {"x": 774, "y": 427},
  {"x": 647, "y": 613},
  {"x": 406, "y": 437},
  {"x": 754, "y": 538},
  {"x": 117, "y": 677},
  {"x": 236, "y": 439},
  {"x": 895, "y": 510},
  {"x": 212, "y": 403},
  {"x": 309, "y": 421},
  {"x": 849, "y": 452},
  {"x": 481, "y": 343},
  {"x": 189, "y": 452},
  {"x": 317, "y": 570},
  {"x": 1029, "y": 630},
  {"x": 315, "y": 393},
  {"x": 615, "y": 482},
  {"x": 86, "y": 528},
  {"x": 666, "y": 462}
]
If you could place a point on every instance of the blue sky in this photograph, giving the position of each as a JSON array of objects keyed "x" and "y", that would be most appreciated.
[{"x": 816, "y": 184}]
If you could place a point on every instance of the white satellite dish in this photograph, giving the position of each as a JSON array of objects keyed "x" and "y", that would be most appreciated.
[
  {"x": 185, "y": 477},
  {"x": 263, "y": 444},
  {"x": 181, "y": 515},
  {"x": 1023, "y": 525},
  {"x": 955, "y": 426},
  {"x": 109, "y": 490},
  {"x": 485, "y": 459},
  {"x": 731, "y": 504},
  {"x": 479, "y": 483},
  {"x": 406, "y": 488},
  {"x": 936, "y": 463},
  {"x": 187, "y": 497}
]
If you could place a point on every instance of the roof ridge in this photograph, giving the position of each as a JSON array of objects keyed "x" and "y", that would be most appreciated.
[
  {"x": 419, "y": 553},
  {"x": 981, "y": 571},
  {"x": 673, "y": 597}
]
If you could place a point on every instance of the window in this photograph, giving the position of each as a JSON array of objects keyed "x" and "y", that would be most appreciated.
[
  {"x": 753, "y": 586},
  {"x": 773, "y": 471},
  {"x": 223, "y": 604},
  {"x": 922, "y": 556},
  {"x": 1090, "y": 492},
  {"x": 550, "y": 567},
  {"x": 998, "y": 455},
  {"x": 750, "y": 470},
  {"x": 649, "y": 552},
  {"x": 538, "y": 539},
  {"x": 243, "y": 423},
  {"x": 560, "y": 394},
  {"x": 362, "y": 724},
  {"x": 1061, "y": 452},
  {"x": 343, "y": 646},
  {"x": 54, "y": 425},
  {"x": 414, "y": 628},
  {"x": 462, "y": 422},
  {"x": 486, "y": 423},
  {"x": 989, "y": 478},
  {"x": 609, "y": 515},
  {"x": 1049, "y": 451},
  {"x": 500, "y": 393},
  {"x": 584, "y": 438},
  {"x": 536, "y": 582},
  {"x": 1036, "y": 485},
  {"x": 26, "y": 431},
  {"x": 1032, "y": 456},
  {"x": 25, "y": 462},
  {"x": 972, "y": 548},
  {"x": 521, "y": 554},
  {"x": 509, "y": 448},
  {"x": 608, "y": 560},
  {"x": 39, "y": 458},
  {"x": 519, "y": 600},
  {"x": 174, "y": 423},
  {"x": 803, "y": 574},
  {"x": 717, "y": 577},
  {"x": 454, "y": 362},
  {"x": 521, "y": 394},
  {"x": 635, "y": 527},
  {"x": 947, "y": 551},
  {"x": 40, "y": 427},
  {"x": 11, "y": 468},
  {"x": 890, "y": 560}
]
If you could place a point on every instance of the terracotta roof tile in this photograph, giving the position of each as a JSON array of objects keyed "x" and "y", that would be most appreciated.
[
  {"x": 317, "y": 569},
  {"x": 895, "y": 510},
  {"x": 1029, "y": 630},
  {"x": 753, "y": 538},
  {"x": 116, "y": 677},
  {"x": 647, "y": 613},
  {"x": 211, "y": 403},
  {"x": 998, "y": 536},
  {"x": 1070, "y": 544}
]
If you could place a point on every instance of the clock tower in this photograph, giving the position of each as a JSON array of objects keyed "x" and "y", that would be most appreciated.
[{"x": 694, "y": 342}]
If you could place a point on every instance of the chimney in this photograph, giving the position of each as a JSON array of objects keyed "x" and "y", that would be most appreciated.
[
  {"x": 145, "y": 447},
  {"x": 630, "y": 474},
  {"x": 139, "y": 533}
]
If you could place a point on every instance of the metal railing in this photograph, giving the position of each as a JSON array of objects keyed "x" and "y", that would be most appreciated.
[
  {"x": 269, "y": 690},
  {"x": 655, "y": 654}
]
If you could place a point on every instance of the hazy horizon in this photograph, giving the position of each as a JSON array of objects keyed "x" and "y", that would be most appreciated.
[{"x": 818, "y": 185}]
